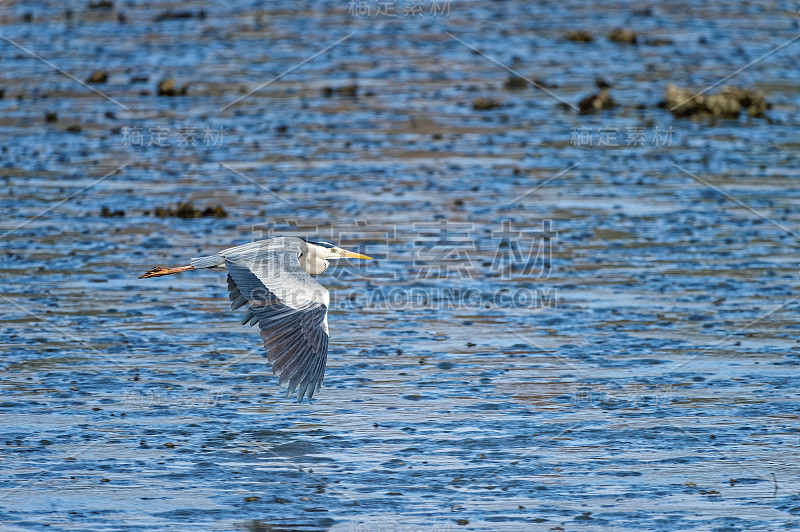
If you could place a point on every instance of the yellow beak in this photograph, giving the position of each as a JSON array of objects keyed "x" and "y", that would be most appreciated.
[{"x": 353, "y": 255}]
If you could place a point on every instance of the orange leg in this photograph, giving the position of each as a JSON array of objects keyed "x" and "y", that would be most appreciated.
[{"x": 158, "y": 271}]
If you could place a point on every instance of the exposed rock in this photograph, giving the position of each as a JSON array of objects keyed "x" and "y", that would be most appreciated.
[
  {"x": 579, "y": 36},
  {"x": 485, "y": 104},
  {"x": 597, "y": 102},
  {"x": 168, "y": 87},
  {"x": 602, "y": 83},
  {"x": 519, "y": 83},
  {"x": 186, "y": 209},
  {"x": 51, "y": 116},
  {"x": 515, "y": 83},
  {"x": 729, "y": 102},
  {"x": 347, "y": 90},
  {"x": 101, "y": 4},
  {"x": 98, "y": 76},
  {"x": 623, "y": 36},
  {"x": 108, "y": 213},
  {"x": 179, "y": 13}
]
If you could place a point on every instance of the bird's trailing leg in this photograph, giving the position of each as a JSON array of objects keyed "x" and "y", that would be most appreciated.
[{"x": 158, "y": 271}]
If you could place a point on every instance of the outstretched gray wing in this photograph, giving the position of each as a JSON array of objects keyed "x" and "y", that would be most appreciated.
[{"x": 290, "y": 308}]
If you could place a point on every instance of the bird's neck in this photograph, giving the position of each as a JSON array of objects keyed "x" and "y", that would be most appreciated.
[{"x": 313, "y": 264}]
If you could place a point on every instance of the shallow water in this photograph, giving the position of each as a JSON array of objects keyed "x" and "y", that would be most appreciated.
[{"x": 554, "y": 336}]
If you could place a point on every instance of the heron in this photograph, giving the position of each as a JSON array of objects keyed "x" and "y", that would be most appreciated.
[{"x": 273, "y": 277}]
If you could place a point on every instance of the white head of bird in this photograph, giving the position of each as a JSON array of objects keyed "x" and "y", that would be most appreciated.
[{"x": 315, "y": 259}]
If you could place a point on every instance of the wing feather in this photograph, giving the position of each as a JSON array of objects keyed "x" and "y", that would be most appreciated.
[
  {"x": 290, "y": 355},
  {"x": 311, "y": 379},
  {"x": 293, "y": 371},
  {"x": 290, "y": 308},
  {"x": 247, "y": 317}
]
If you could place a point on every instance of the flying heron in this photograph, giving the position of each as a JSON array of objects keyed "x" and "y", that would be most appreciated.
[{"x": 273, "y": 277}]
